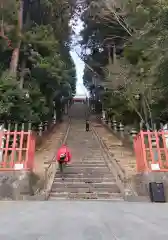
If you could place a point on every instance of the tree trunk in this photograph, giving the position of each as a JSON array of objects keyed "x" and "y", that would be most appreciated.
[
  {"x": 22, "y": 73},
  {"x": 16, "y": 51},
  {"x": 144, "y": 109}
]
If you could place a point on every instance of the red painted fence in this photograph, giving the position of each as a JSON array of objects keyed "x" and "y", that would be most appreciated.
[
  {"x": 151, "y": 150},
  {"x": 16, "y": 150}
]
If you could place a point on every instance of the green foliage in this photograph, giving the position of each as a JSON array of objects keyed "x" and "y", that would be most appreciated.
[
  {"x": 45, "y": 70},
  {"x": 10, "y": 98},
  {"x": 136, "y": 69}
]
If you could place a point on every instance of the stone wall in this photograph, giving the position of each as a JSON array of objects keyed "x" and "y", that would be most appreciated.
[
  {"x": 142, "y": 182},
  {"x": 14, "y": 185},
  {"x": 123, "y": 134},
  {"x": 139, "y": 182}
]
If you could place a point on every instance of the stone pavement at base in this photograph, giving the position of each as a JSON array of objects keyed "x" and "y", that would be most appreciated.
[{"x": 65, "y": 220}]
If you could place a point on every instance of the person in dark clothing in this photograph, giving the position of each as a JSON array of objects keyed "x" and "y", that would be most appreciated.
[{"x": 87, "y": 125}]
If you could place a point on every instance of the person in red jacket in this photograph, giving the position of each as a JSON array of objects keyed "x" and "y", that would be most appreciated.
[{"x": 63, "y": 156}]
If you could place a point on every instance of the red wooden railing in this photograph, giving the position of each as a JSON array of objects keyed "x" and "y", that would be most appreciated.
[
  {"x": 17, "y": 150},
  {"x": 151, "y": 150}
]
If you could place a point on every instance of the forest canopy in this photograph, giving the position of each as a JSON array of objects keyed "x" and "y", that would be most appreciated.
[
  {"x": 124, "y": 45},
  {"x": 36, "y": 68}
]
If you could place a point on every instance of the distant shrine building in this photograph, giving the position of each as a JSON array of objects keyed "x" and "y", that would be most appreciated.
[{"x": 79, "y": 99}]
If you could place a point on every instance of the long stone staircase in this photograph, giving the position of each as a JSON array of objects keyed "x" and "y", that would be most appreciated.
[{"x": 88, "y": 176}]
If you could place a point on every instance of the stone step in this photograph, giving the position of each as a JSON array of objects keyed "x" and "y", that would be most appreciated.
[
  {"x": 83, "y": 187},
  {"x": 102, "y": 195},
  {"x": 86, "y": 175},
  {"x": 87, "y": 165},
  {"x": 85, "y": 180},
  {"x": 85, "y": 190},
  {"x": 92, "y": 156},
  {"x": 80, "y": 167},
  {"x": 80, "y": 185},
  {"x": 88, "y": 162},
  {"x": 137, "y": 199},
  {"x": 95, "y": 157},
  {"x": 91, "y": 160},
  {"x": 86, "y": 170}
]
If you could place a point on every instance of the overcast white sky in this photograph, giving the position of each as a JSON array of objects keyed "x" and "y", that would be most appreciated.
[{"x": 80, "y": 89}]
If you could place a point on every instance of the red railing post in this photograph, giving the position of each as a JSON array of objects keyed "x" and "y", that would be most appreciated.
[
  {"x": 17, "y": 152},
  {"x": 144, "y": 159},
  {"x": 31, "y": 152},
  {"x": 153, "y": 154}
]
